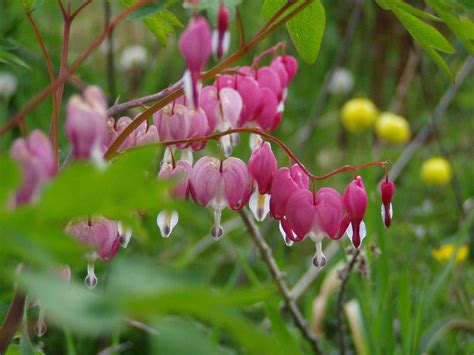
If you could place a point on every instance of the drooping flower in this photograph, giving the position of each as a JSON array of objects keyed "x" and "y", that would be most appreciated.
[
  {"x": 284, "y": 183},
  {"x": 222, "y": 108},
  {"x": 143, "y": 134},
  {"x": 176, "y": 121},
  {"x": 317, "y": 216},
  {"x": 262, "y": 166},
  {"x": 387, "y": 188},
  {"x": 355, "y": 202},
  {"x": 167, "y": 220},
  {"x": 35, "y": 155},
  {"x": 86, "y": 123},
  {"x": 195, "y": 46},
  {"x": 221, "y": 36},
  {"x": 101, "y": 234},
  {"x": 220, "y": 184}
]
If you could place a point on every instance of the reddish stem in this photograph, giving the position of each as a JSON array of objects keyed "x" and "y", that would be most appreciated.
[
  {"x": 16, "y": 119},
  {"x": 205, "y": 76},
  {"x": 287, "y": 150}
]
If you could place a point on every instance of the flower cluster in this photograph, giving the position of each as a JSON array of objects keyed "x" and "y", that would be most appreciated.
[{"x": 246, "y": 99}]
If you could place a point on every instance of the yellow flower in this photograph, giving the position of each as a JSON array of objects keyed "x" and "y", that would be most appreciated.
[
  {"x": 444, "y": 253},
  {"x": 436, "y": 171},
  {"x": 392, "y": 128},
  {"x": 358, "y": 115}
]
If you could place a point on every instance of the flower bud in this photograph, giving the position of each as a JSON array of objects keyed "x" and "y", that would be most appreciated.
[
  {"x": 355, "y": 201},
  {"x": 221, "y": 36},
  {"x": 86, "y": 123},
  {"x": 35, "y": 155},
  {"x": 195, "y": 46},
  {"x": 387, "y": 188},
  {"x": 263, "y": 166}
]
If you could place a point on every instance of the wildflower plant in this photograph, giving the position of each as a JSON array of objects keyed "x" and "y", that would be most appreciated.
[{"x": 117, "y": 172}]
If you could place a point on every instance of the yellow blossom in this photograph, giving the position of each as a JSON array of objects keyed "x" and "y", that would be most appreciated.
[{"x": 444, "y": 253}]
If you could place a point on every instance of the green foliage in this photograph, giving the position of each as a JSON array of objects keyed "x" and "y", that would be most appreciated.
[
  {"x": 306, "y": 29},
  {"x": 160, "y": 21},
  {"x": 212, "y": 8},
  {"x": 8, "y": 55},
  {"x": 31, "y": 5}
]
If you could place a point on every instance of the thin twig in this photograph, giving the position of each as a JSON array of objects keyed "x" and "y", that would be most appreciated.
[
  {"x": 340, "y": 301},
  {"x": 35, "y": 101},
  {"x": 405, "y": 80},
  {"x": 308, "y": 129},
  {"x": 13, "y": 318},
  {"x": 437, "y": 116},
  {"x": 49, "y": 65},
  {"x": 110, "y": 69},
  {"x": 267, "y": 257},
  {"x": 80, "y": 8}
]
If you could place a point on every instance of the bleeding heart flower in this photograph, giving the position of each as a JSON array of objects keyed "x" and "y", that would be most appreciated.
[
  {"x": 222, "y": 108},
  {"x": 101, "y": 234},
  {"x": 267, "y": 77},
  {"x": 86, "y": 123},
  {"x": 221, "y": 36},
  {"x": 35, "y": 155},
  {"x": 355, "y": 201},
  {"x": 195, "y": 46},
  {"x": 284, "y": 183},
  {"x": 220, "y": 184},
  {"x": 263, "y": 166},
  {"x": 176, "y": 121},
  {"x": 317, "y": 215},
  {"x": 387, "y": 188}
]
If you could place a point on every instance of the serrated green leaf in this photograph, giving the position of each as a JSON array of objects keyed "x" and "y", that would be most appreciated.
[
  {"x": 306, "y": 29},
  {"x": 144, "y": 11},
  {"x": 159, "y": 21},
  {"x": 428, "y": 37}
]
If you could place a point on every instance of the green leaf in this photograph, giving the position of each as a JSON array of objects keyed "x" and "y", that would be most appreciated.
[
  {"x": 159, "y": 21},
  {"x": 454, "y": 23},
  {"x": 428, "y": 37},
  {"x": 10, "y": 178},
  {"x": 417, "y": 12},
  {"x": 172, "y": 331},
  {"x": 212, "y": 8},
  {"x": 9, "y": 58},
  {"x": 306, "y": 29},
  {"x": 144, "y": 12}
]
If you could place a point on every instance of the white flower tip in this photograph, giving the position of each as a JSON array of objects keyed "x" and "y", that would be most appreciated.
[
  {"x": 217, "y": 231},
  {"x": 40, "y": 327},
  {"x": 166, "y": 222},
  {"x": 259, "y": 205},
  {"x": 287, "y": 240}
]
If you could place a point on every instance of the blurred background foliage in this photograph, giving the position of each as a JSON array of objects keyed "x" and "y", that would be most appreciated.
[{"x": 200, "y": 297}]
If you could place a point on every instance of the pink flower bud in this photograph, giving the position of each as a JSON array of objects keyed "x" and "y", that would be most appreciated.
[
  {"x": 222, "y": 107},
  {"x": 86, "y": 123},
  {"x": 291, "y": 65},
  {"x": 195, "y": 43},
  {"x": 387, "y": 188},
  {"x": 263, "y": 166},
  {"x": 176, "y": 121},
  {"x": 284, "y": 183},
  {"x": 180, "y": 174},
  {"x": 221, "y": 37},
  {"x": 35, "y": 155},
  {"x": 195, "y": 46},
  {"x": 101, "y": 234},
  {"x": 267, "y": 111},
  {"x": 267, "y": 77},
  {"x": 355, "y": 201},
  {"x": 279, "y": 67},
  {"x": 220, "y": 185}
]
